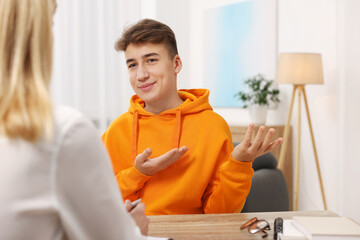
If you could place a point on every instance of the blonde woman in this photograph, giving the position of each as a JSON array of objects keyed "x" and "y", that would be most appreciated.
[{"x": 56, "y": 180}]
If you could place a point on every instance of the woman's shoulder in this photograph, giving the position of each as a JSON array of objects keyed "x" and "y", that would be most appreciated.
[
  {"x": 65, "y": 114},
  {"x": 66, "y": 117}
]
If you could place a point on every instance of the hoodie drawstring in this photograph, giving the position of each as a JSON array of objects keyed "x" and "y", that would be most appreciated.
[
  {"x": 177, "y": 133},
  {"x": 134, "y": 136}
]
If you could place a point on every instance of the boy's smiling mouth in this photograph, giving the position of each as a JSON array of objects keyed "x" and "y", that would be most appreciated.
[{"x": 147, "y": 86}]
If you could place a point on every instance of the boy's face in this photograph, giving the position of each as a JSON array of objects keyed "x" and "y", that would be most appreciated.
[{"x": 152, "y": 73}]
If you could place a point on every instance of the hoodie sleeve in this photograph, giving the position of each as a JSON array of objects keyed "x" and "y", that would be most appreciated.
[
  {"x": 130, "y": 181},
  {"x": 230, "y": 183}
]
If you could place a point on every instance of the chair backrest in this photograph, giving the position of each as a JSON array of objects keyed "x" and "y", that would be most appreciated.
[
  {"x": 267, "y": 160},
  {"x": 269, "y": 190}
]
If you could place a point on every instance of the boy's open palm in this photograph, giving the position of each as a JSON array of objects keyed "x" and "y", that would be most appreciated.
[
  {"x": 151, "y": 166},
  {"x": 247, "y": 150}
]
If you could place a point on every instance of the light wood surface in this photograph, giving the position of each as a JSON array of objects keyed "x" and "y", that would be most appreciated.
[
  {"x": 297, "y": 154},
  {"x": 238, "y": 133},
  {"x": 217, "y": 226},
  {"x": 286, "y": 133}
]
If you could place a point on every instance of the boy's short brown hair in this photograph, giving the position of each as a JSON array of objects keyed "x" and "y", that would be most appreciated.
[{"x": 148, "y": 31}]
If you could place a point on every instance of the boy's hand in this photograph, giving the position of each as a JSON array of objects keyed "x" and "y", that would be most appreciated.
[
  {"x": 138, "y": 214},
  {"x": 247, "y": 150},
  {"x": 151, "y": 166}
]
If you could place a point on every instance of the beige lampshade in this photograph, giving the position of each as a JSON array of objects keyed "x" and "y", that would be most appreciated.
[{"x": 300, "y": 68}]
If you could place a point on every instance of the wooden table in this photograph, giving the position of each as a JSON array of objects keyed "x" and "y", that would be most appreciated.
[{"x": 217, "y": 226}]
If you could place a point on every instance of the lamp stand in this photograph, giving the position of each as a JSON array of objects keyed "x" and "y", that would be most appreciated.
[{"x": 301, "y": 91}]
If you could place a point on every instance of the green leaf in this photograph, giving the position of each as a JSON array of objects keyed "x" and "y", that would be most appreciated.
[{"x": 259, "y": 91}]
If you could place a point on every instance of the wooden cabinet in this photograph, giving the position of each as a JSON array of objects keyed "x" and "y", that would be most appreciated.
[{"x": 238, "y": 133}]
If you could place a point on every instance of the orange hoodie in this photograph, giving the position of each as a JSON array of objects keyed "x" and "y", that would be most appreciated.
[{"x": 205, "y": 180}]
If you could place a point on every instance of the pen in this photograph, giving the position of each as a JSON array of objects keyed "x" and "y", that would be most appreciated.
[
  {"x": 278, "y": 228},
  {"x": 134, "y": 203}
]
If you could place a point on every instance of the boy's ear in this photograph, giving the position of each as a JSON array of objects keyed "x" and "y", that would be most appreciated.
[{"x": 177, "y": 64}]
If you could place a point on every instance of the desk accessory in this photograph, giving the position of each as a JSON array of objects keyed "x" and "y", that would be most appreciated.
[
  {"x": 329, "y": 228},
  {"x": 134, "y": 203},
  {"x": 278, "y": 228},
  {"x": 255, "y": 225},
  {"x": 290, "y": 232}
]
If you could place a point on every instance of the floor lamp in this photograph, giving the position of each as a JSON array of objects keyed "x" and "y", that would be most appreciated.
[{"x": 299, "y": 69}]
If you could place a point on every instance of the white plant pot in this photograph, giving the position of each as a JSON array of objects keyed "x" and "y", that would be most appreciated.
[{"x": 258, "y": 114}]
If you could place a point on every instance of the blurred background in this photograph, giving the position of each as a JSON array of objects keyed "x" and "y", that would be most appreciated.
[{"x": 91, "y": 76}]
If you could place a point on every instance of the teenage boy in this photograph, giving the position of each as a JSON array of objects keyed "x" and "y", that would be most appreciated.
[{"x": 202, "y": 172}]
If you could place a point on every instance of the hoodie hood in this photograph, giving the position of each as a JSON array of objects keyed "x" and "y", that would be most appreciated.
[{"x": 195, "y": 100}]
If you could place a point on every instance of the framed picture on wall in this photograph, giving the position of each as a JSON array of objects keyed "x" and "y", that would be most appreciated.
[{"x": 240, "y": 41}]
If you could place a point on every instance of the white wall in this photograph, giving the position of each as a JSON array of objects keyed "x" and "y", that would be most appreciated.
[
  {"x": 348, "y": 75},
  {"x": 88, "y": 73},
  {"x": 178, "y": 22},
  {"x": 329, "y": 27},
  {"x": 310, "y": 26}
]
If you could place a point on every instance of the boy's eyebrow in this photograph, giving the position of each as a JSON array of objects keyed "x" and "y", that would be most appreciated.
[
  {"x": 150, "y": 55},
  {"x": 129, "y": 60},
  {"x": 145, "y": 56}
]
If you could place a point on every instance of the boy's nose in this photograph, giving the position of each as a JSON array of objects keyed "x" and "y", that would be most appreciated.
[{"x": 142, "y": 74}]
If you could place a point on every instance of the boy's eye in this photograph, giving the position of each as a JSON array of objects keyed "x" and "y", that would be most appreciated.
[
  {"x": 152, "y": 60},
  {"x": 131, "y": 65}
]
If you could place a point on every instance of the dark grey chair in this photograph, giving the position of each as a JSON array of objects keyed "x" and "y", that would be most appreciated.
[{"x": 269, "y": 192}]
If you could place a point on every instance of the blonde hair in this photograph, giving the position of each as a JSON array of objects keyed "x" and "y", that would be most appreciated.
[{"x": 25, "y": 68}]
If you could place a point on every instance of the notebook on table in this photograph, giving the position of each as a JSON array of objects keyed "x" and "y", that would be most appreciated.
[
  {"x": 290, "y": 232},
  {"x": 331, "y": 228}
]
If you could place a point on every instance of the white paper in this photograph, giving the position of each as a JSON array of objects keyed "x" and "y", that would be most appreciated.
[{"x": 156, "y": 238}]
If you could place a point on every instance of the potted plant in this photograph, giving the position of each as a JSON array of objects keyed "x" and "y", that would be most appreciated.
[{"x": 258, "y": 95}]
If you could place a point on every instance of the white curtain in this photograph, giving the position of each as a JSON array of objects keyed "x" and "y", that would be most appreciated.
[{"x": 88, "y": 73}]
